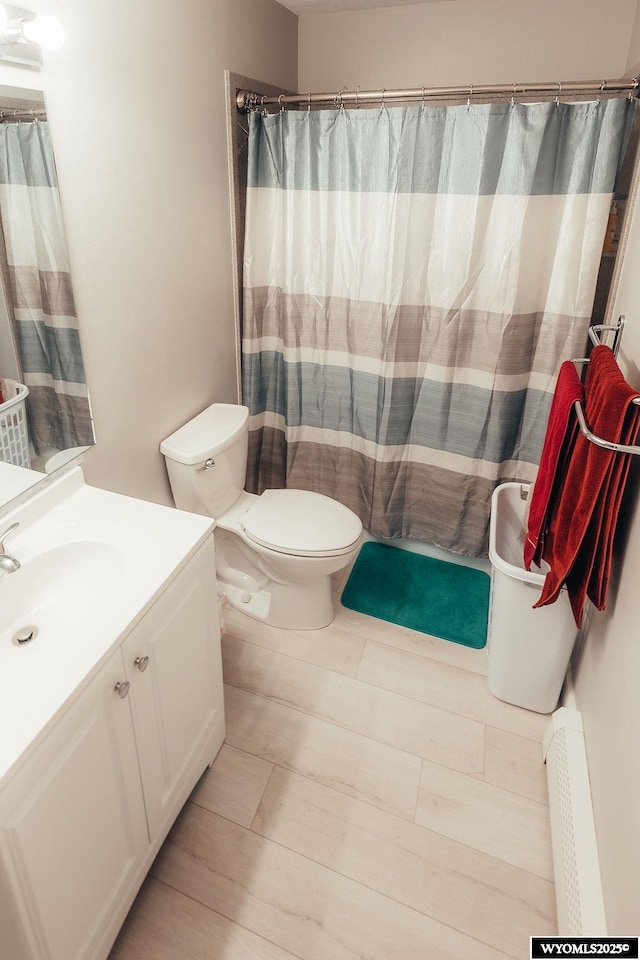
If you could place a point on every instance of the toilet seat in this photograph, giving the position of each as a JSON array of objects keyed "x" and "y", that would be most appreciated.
[{"x": 301, "y": 523}]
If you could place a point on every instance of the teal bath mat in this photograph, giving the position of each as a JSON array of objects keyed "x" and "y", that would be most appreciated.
[{"x": 445, "y": 600}]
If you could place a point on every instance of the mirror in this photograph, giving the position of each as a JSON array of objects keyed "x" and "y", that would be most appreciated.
[{"x": 45, "y": 418}]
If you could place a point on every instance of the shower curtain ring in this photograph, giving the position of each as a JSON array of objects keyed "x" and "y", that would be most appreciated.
[
  {"x": 423, "y": 96},
  {"x": 337, "y": 100},
  {"x": 633, "y": 91},
  {"x": 559, "y": 82},
  {"x": 513, "y": 95},
  {"x": 470, "y": 94},
  {"x": 308, "y": 103},
  {"x": 384, "y": 90},
  {"x": 280, "y": 102},
  {"x": 602, "y": 89},
  {"x": 358, "y": 97}
]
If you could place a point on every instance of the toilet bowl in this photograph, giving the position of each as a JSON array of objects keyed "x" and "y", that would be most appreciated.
[{"x": 275, "y": 552}]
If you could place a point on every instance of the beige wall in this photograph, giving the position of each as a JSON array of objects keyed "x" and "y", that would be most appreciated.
[
  {"x": 633, "y": 59},
  {"x": 137, "y": 110},
  {"x": 136, "y": 104},
  {"x": 607, "y": 665},
  {"x": 464, "y": 41},
  {"x": 497, "y": 41}
]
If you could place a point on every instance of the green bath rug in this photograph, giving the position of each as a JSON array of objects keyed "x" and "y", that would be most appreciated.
[{"x": 445, "y": 600}]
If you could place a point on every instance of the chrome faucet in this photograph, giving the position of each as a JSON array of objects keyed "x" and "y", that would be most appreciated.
[{"x": 8, "y": 564}]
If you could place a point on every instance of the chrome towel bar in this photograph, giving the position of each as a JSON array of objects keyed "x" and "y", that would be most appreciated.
[{"x": 594, "y": 336}]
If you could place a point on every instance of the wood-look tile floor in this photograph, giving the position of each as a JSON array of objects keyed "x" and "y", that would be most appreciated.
[{"x": 372, "y": 800}]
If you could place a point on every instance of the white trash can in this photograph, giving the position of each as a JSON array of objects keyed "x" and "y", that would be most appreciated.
[{"x": 528, "y": 650}]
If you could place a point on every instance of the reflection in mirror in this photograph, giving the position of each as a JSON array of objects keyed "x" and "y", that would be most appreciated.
[{"x": 45, "y": 416}]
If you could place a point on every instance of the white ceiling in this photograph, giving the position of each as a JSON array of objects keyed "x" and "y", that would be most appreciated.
[{"x": 331, "y": 6}]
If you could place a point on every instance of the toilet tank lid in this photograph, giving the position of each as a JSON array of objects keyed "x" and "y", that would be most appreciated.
[{"x": 207, "y": 434}]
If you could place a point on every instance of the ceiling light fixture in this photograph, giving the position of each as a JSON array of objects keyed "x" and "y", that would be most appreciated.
[{"x": 43, "y": 29}]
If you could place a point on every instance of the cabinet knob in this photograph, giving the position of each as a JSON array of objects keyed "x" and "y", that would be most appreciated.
[
  {"x": 122, "y": 688},
  {"x": 141, "y": 663}
]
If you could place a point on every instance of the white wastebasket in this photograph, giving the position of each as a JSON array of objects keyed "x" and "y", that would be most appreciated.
[{"x": 528, "y": 650}]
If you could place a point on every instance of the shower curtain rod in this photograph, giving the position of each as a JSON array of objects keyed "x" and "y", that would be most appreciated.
[
  {"x": 246, "y": 100},
  {"x": 22, "y": 116}
]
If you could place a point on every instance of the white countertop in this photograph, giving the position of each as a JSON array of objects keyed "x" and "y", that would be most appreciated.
[
  {"x": 15, "y": 480},
  {"x": 155, "y": 542}
]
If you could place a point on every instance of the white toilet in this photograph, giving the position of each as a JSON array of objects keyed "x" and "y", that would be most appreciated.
[{"x": 275, "y": 552}]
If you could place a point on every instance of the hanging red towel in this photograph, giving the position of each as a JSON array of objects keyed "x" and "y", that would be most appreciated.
[
  {"x": 558, "y": 443},
  {"x": 583, "y": 517}
]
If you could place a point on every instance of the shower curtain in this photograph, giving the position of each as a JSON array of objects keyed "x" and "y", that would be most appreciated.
[
  {"x": 38, "y": 286},
  {"x": 413, "y": 278}
]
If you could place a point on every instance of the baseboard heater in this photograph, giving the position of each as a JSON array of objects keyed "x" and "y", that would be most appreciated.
[{"x": 579, "y": 896}]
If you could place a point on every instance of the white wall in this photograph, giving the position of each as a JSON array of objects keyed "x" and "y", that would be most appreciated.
[
  {"x": 465, "y": 41},
  {"x": 136, "y": 104}
]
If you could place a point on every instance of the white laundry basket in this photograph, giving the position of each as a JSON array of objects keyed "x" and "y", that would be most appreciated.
[
  {"x": 14, "y": 437},
  {"x": 528, "y": 650}
]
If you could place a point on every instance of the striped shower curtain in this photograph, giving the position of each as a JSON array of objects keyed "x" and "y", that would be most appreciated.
[
  {"x": 38, "y": 284},
  {"x": 413, "y": 279}
]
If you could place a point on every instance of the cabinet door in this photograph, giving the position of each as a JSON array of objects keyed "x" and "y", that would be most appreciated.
[
  {"x": 176, "y": 699},
  {"x": 73, "y": 827}
]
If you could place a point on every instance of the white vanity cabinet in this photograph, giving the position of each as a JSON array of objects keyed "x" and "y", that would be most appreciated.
[
  {"x": 85, "y": 813},
  {"x": 74, "y": 829},
  {"x": 176, "y": 696}
]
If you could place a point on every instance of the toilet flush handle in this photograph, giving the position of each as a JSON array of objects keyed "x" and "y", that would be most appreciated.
[{"x": 209, "y": 463}]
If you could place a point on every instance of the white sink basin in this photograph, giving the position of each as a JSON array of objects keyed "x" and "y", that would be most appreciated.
[
  {"x": 57, "y": 594},
  {"x": 92, "y": 563}
]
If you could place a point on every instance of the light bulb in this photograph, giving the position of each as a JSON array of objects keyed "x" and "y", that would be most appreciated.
[{"x": 45, "y": 30}]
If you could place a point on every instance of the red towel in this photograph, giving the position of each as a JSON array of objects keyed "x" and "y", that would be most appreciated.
[
  {"x": 583, "y": 517},
  {"x": 558, "y": 443}
]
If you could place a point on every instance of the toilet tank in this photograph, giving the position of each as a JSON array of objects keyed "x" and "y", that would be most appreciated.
[{"x": 207, "y": 459}]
